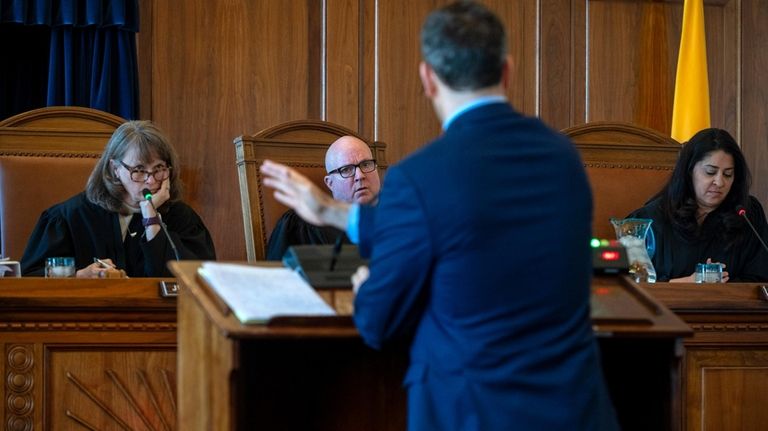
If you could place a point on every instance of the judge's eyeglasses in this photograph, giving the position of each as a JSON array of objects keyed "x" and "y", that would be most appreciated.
[
  {"x": 348, "y": 171},
  {"x": 160, "y": 173}
]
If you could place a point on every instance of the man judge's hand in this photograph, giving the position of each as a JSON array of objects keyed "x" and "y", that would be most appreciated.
[{"x": 300, "y": 193}]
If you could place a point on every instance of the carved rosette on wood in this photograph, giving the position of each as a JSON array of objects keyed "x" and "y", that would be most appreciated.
[{"x": 19, "y": 382}]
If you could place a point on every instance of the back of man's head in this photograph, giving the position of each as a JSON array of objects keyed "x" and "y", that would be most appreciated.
[{"x": 465, "y": 44}]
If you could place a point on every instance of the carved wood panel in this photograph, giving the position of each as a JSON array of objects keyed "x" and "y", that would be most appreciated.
[
  {"x": 726, "y": 389},
  {"x": 19, "y": 385},
  {"x": 110, "y": 388}
]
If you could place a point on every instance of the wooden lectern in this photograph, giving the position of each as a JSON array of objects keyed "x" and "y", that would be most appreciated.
[
  {"x": 293, "y": 374},
  {"x": 640, "y": 342},
  {"x": 316, "y": 373}
]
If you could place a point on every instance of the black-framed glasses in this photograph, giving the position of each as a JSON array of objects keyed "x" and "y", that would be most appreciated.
[
  {"x": 160, "y": 173},
  {"x": 348, "y": 171}
]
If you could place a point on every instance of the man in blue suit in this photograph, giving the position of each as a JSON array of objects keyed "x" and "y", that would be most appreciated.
[{"x": 479, "y": 251}]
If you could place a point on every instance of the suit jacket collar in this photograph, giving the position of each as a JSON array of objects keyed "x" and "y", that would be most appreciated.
[{"x": 472, "y": 117}]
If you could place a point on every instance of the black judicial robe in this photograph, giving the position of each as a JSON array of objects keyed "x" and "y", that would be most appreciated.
[
  {"x": 293, "y": 230},
  {"x": 83, "y": 230},
  {"x": 676, "y": 256}
]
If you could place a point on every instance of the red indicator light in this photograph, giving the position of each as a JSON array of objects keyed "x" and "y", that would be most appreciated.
[
  {"x": 602, "y": 291},
  {"x": 610, "y": 255}
]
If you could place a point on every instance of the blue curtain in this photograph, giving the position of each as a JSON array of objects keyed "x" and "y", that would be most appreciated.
[{"x": 89, "y": 58}]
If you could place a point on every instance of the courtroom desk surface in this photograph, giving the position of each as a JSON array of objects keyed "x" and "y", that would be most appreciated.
[
  {"x": 27, "y": 298},
  {"x": 730, "y": 298}
]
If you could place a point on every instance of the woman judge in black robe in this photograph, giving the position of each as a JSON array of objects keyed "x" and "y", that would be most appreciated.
[
  {"x": 696, "y": 216},
  {"x": 114, "y": 222}
]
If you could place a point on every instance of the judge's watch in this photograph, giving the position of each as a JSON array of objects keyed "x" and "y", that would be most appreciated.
[{"x": 150, "y": 221}]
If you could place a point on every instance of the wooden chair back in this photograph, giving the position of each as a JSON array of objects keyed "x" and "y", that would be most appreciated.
[
  {"x": 46, "y": 156},
  {"x": 626, "y": 165}
]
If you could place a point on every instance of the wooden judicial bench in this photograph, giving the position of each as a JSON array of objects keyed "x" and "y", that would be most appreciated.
[
  {"x": 725, "y": 363},
  {"x": 87, "y": 354},
  {"x": 101, "y": 354}
]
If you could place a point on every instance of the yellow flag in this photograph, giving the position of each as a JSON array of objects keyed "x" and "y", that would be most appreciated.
[{"x": 691, "y": 109}]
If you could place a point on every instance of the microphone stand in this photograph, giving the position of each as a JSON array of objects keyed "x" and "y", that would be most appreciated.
[
  {"x": 743, "y": 212},
  {"x": 335, "y": 252},
  {"x": 163, "y": 227}
]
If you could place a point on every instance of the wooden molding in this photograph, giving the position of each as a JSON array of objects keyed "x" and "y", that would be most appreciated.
[
  {"x": 626, "y": 166},
  {"x": 729, "y": 327},
  {"x": 88, "y": 326},
  {"x": 147, "y": 416},
  {"x": 19, "y": 384},
  {"x": 52, "y": 116}
]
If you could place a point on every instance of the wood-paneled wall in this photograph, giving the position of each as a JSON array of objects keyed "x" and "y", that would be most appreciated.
[{"x": 212, "y": 70}]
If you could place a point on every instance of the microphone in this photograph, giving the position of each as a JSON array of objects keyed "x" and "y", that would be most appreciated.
[
  {"x": 740, "y": 210},
  {"x": 148, "y": 196},
  {"x": 335, "y": 252}
]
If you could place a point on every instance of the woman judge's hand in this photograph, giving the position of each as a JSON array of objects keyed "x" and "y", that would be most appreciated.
[
  {"x": 692, "y": 278},
  {"x": 159, "y": 197},
  {"x": 722, "y": 265},
  {"x": 725, "y": 273},
  {"x": 98, "y": 270}
]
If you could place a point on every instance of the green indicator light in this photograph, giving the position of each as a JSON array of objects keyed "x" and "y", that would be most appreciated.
[
  {"x": 595, "y": 243},
  {"x": 604, "y": 242}
]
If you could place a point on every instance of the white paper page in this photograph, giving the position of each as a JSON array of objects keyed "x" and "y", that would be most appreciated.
[{"x": 255, "y": 294}]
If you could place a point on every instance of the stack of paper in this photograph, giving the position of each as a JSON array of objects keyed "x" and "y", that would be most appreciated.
[
  {"x": 9, "y": 268},
  {"x": 256, "y": 294}
]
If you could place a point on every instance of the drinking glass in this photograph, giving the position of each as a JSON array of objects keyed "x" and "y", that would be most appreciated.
[
  {"x": 709, "y": 273},
  {"x": 57, "y": 267}
]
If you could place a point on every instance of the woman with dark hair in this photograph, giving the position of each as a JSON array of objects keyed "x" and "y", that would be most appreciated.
[
  {"x": 696, "y": 218},
  {"x": 114, "y": 222}
]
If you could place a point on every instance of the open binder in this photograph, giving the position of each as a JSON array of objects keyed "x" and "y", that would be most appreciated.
[
  {"x": 257, "y": 295},
  {"x": 313, "y": 262}
]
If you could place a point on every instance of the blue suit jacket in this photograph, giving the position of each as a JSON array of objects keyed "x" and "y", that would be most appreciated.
[{"x": 479, "y": 248}]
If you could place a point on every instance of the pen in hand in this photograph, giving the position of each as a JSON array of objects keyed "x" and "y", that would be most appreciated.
[
  {"x": 103, "y": 263},
  {"x": 336, "y": 251}
]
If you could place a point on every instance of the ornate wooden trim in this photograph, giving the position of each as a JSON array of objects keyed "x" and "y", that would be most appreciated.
[
  {"x": 88, "y": 326},
  {"x": 25, "y": 119},
  {"x": 729, "y": 327},
  {"x": 300, "y": 125},
  {"x": 626, "y": 166},
  {"x": 19, "y": 383},
  {"x": 621, "y": 145},
  {"x": 613, "y": 127},
  {"x": 57, "y": 154},
  {"x": 131, "y": 398}
]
